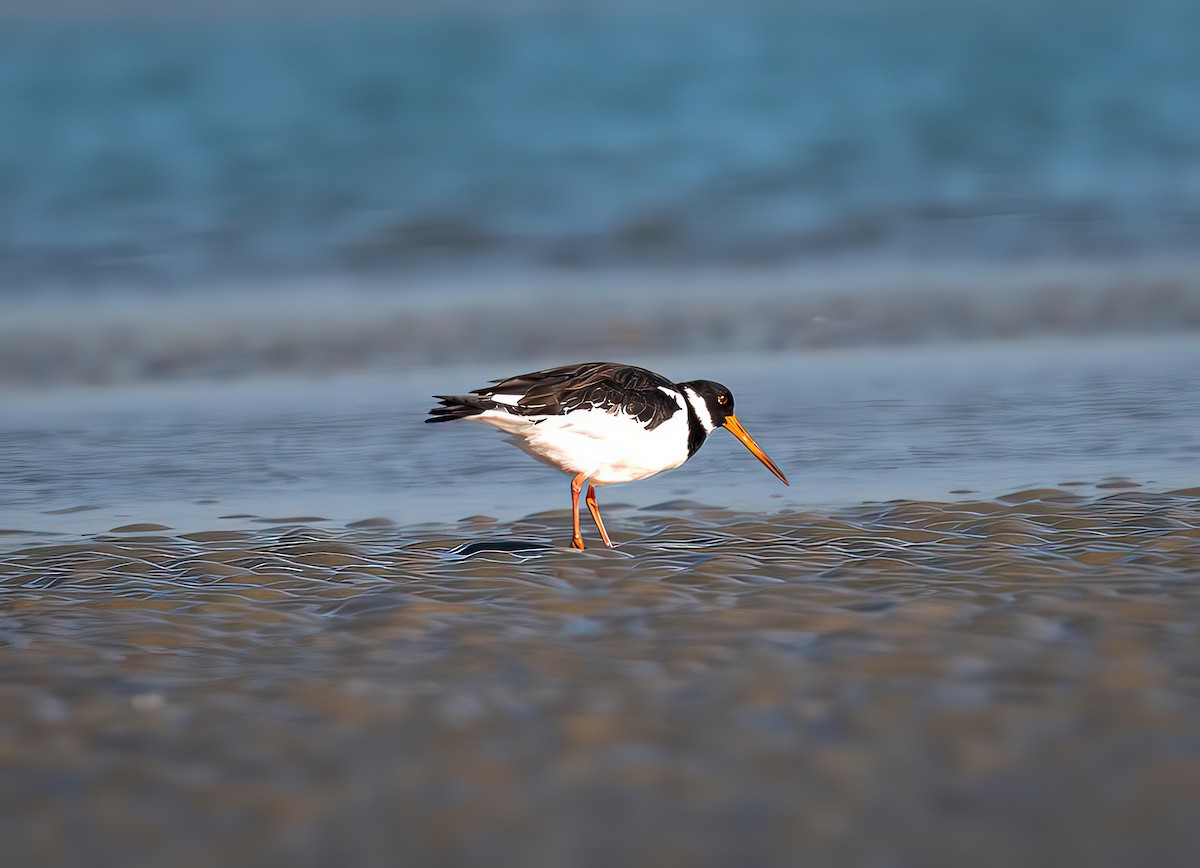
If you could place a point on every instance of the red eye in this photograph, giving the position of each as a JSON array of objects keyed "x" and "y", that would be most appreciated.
[{"x": 721, "y": 399}]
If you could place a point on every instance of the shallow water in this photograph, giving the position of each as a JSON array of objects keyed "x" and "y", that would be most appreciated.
[
  {"x": 847, "y": 427},
  {"x": 1011, "y": 681},
  {"x": 286, "y": 620}
]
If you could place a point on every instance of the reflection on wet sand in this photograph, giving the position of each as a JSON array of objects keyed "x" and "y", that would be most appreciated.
[{"x": 1010, "y": 681}]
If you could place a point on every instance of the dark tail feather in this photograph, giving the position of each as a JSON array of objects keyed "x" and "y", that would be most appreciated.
[{"x": 458, "y": 407}]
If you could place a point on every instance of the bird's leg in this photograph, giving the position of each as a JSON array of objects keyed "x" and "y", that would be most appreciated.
[
  {"x": 595, "y": 510},
  {"x": 576, "y": 486}
]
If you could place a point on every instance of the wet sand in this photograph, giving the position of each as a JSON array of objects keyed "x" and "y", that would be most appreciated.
[
  {"x": 1003, "y": 682},
  {"x": 284, "y": 620}
]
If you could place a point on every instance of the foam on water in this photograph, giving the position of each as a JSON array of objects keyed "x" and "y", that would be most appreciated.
[{"x": 322, "y": 326}]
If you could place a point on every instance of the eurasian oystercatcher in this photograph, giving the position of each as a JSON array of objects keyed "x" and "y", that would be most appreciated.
[{"x": 603, "y": 423}]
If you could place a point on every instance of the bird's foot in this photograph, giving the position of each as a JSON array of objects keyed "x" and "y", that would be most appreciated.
[{"x": 577, "y": 543}]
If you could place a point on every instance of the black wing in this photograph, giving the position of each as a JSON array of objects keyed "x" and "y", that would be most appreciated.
[{"x": 556, "y": 391}]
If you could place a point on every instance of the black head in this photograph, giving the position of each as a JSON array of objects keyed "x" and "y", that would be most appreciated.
[
  {"x": 712, "y": 408},
  {"x": 717, "y": 400}
]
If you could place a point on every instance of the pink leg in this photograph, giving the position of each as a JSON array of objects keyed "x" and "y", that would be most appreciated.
[
  {"x": 576, "y": 486},
  {"x": 595, "y": 510}
]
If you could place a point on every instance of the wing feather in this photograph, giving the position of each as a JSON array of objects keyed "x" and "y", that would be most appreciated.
[{"x": 557, "y": 391}]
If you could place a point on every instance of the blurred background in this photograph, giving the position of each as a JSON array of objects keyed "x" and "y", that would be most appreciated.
[
  {"x": 219, "y": 191},
  {"x": 947, "y": 256}
]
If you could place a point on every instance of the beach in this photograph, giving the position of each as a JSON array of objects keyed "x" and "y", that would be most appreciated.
[
  {"x": 250, "y": 620},
  {"x": 254, "y": 611},
  {"x": 1005, "y": 680}
]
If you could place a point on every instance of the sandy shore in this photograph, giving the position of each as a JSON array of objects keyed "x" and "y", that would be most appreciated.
[
  {"x": 1021, "y": 672},
  {"x": 246, "y": 620}
]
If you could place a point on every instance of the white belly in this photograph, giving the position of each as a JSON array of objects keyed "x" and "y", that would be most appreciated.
[{"x": 606, "y": 448}]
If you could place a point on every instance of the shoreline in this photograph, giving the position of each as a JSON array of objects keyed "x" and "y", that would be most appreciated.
[
  {"x": 345, "y": 325},
  {"x": 632, "y": 525},
  {"x": 850, "y": 426}
]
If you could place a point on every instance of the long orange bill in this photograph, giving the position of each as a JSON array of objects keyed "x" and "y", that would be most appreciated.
[{"x": 739, "y": 432}]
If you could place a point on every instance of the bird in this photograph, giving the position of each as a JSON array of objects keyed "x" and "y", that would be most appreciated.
[{"x": 602, "y": 422}]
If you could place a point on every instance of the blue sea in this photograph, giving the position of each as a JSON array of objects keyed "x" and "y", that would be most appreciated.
[{"x": 178, "y": 149}]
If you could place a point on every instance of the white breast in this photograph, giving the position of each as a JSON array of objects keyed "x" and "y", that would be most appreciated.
[{"x": 607, "y": 447}]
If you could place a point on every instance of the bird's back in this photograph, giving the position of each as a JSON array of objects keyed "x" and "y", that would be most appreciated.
[{"x": 623, "y": 390}]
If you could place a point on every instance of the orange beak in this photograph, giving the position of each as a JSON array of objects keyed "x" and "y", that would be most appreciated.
[{"x": 739, "y": 432}]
